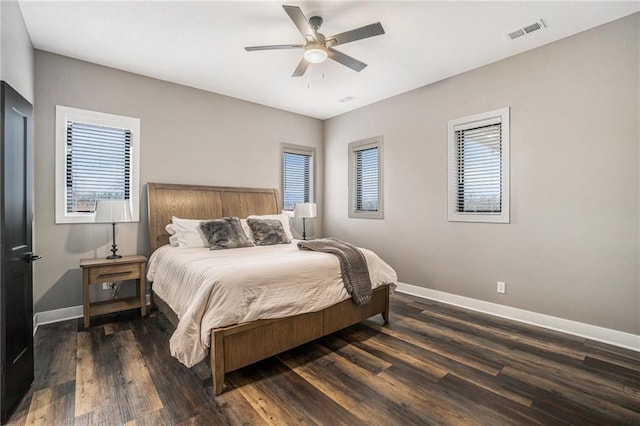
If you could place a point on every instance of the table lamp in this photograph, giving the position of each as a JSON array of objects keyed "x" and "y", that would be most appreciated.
[
  {"x": 304, "y": 211},
  {"x": 114, "y": 211}
]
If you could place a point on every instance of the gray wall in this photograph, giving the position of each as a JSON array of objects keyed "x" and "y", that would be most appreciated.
[
  {"x": 571, "y": 250},
  {"x": 16, "y": 51},
  {"x": 187, "y": 136},
  {"x": 572, "y": 247}
]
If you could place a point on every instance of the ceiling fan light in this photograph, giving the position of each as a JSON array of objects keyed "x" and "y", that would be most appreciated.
[{"x": 315, "y": 54}]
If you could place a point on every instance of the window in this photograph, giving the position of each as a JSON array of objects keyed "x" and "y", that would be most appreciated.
[
  {"x": 297, "y": 175},
  {"x": 365, "y": 178},
  {"x": 479, "y": 167},
  {"x": 97, "y": 158}
]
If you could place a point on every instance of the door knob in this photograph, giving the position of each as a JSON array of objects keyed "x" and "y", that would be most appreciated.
[{"x": 31, "y": 257}]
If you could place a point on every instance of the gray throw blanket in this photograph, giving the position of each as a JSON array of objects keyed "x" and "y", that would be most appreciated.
[{"x": 353, "y": 266}]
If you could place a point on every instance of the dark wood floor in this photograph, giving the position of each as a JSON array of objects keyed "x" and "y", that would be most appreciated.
[{"x": 433, "y": 364}]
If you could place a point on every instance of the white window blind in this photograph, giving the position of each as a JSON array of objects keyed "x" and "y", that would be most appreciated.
[
  {"x": 297, "y": 177},
  {"x": 479, "y": 174},
  {"x": 97, "y": 158},
  {"x": 365, "y": 179},
  {"x": 98, "y": 165},
  {"x": 479, "y": 167}
]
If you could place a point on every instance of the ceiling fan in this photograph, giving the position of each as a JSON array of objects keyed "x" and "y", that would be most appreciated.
[{"x": 317, "y": 47}]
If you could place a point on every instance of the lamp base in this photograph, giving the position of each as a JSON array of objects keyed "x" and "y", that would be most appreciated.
[
  {"x": 304, "y": 228},
  {"x": 114, "y": 246}
]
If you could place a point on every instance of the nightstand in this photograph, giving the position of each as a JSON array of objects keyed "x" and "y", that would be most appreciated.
[{"x": 97, "y": 271}]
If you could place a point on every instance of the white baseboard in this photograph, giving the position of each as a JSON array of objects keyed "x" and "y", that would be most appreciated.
[
  {"x": 593, "y": 332},
  {"x": 600, "y": 334},
  {"x": 58, "y": 315}
]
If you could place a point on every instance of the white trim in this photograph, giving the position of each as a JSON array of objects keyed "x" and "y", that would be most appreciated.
[
  {"x": 59, "y": 315},
  {"x": 600, "y": 334},
  {"x": 593, "y": 332},
  {"x": 354, "y": 147},
  {"x": 301, "y": 150},
  {"x": 491, "y": 117},
  {"x": 56, "y": 315},
  {"x": 65, "y": 114}
]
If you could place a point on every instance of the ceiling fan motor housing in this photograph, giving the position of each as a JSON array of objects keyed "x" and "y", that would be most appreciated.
[{"x": 315, "y": 22}]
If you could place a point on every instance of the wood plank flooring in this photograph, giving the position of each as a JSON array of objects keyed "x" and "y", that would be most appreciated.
[{"x": 434, "y": 364}]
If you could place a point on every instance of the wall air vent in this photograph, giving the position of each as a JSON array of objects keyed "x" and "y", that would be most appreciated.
[
  {"x": 346, "y": 99},
  {"x": 538, "y": 25}
]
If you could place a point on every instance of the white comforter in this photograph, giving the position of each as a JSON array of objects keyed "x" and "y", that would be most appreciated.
[{"x": 216, "y": 288}]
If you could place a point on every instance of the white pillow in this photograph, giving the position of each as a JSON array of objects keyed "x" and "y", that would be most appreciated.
[
  {"x": 173, "y": 240},
  {"x": 283, "y": 217},
  {"x": 170, "y": 228},
  {"x": 188, "y": 233}
]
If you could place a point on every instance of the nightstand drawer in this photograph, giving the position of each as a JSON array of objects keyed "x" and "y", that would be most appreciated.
[{"x": 101, "y": 274}]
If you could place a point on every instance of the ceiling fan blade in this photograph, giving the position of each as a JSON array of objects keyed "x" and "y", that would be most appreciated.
[
  {"x": 357, "y": 34},
  {"x": 301, "y": 68},
  {"x": 274, "y": 47},
  {"x": 300, "y": 22},
  {"x": 346, "y": 60}
]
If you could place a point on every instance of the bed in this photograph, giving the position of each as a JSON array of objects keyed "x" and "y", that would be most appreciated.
[{"x": 236, "y": 346}]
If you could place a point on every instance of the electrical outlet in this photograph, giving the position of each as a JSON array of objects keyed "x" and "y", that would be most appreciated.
[
  {"x": 106, "y": 286},
  {"x": 502, "y": 287}
]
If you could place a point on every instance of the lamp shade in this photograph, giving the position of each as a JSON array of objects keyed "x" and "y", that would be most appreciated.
[
  {"x": 305, "y": 210},
  {"x": 113, "y": 211}
]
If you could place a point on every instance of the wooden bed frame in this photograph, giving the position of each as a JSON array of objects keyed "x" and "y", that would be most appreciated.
[{"x": 236, "y": 346}]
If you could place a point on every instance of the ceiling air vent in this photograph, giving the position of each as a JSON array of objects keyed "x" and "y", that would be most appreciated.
[
  {"x": 538, "y": 25},
  {"x": 346, "y": 99}
]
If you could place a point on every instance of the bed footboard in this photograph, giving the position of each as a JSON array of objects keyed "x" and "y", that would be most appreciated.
[{"x": 237, "y": 346}]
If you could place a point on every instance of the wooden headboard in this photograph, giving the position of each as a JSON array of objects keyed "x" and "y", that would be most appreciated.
[{"x": 203, "y": 202}]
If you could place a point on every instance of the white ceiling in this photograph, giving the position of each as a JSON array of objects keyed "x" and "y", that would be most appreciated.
[{"x": 201, "y": 44}]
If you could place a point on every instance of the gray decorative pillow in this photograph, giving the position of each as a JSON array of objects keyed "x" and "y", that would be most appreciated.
[
  {"x": 225, "y": 233},
  {"x": 267, "y": 232}
]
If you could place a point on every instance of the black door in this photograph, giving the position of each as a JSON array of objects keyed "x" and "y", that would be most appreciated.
[{"x": 16, "y": 290}]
